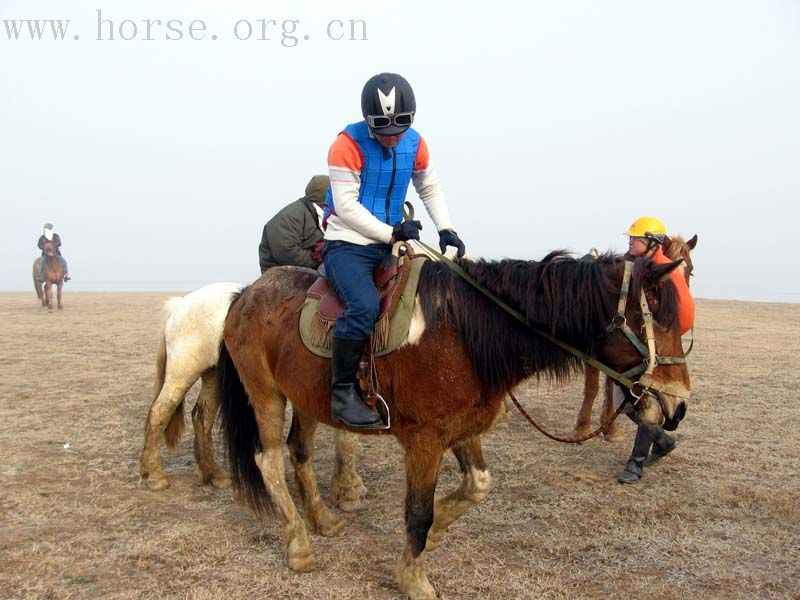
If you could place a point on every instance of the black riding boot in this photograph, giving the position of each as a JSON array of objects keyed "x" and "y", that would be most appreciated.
[
  {"x": 663, "y": 444},
  {"x": 346, "y": 403},
  {"x": 641, "y": 447}
]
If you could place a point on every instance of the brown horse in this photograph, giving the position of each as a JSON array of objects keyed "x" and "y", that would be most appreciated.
[
  {"x": 675, "y": 248},
  {"x": 53, "y": 276},
  {"x": 443, "y": 391}
]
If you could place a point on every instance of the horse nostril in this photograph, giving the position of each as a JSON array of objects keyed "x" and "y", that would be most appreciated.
[{"x": 680, "y": 412}]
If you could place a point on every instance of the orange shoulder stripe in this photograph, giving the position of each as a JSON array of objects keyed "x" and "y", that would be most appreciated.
[
  {"x": 423, "y": 156},
  {"x": 344, "y": 154}
]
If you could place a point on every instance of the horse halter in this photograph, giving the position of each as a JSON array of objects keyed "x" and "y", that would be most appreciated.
[{"x": 646, "y": 382}]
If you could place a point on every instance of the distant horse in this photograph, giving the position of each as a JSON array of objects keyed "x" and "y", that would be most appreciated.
[
  {"x": 188, "y": 350},
  {"x": 675, "y": 248},
  {"x": 442, "y": 392},
  {"x": 53, "y": 276}
]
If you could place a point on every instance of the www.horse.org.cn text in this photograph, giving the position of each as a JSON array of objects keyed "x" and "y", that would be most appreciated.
[{"x": 289, "y": 33}]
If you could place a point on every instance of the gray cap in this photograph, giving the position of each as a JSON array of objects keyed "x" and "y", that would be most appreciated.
[{"x": 48, "y": 225}]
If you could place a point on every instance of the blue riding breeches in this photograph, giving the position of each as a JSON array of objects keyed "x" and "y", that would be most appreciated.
[{"x": 350, "y": 268}]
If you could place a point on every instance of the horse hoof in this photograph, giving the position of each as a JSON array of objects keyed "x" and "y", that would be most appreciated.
[
  {"x": 335, "y": 528},
  {"x": 221, "y": 483},
  {"x": 304, "y": 563},
  {"x": 613, "y": 436},
  {"x": 581, "y": 431},
  {"x": 422, "y": 593},
  {"x": 418, "y": 589},
  {"x": 157, "y": 484},
  {"x": 351, "y": 498},
  {"x": 350, "y": 505}
]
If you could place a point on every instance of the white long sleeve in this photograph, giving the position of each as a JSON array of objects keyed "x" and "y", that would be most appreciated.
[{"x": 426, "y": 182}]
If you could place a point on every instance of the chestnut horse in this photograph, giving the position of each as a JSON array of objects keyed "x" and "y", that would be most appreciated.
[
  {"x": 53, "y": 276},
  {"x": 675, "y": 248},
  {"x": 443, "y": 390}
]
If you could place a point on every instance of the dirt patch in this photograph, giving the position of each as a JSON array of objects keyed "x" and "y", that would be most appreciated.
[{"x": 718, "y": 518}]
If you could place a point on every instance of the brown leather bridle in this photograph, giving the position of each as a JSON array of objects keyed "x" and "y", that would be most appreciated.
[
  {"x": 647, "y": 349},
  {"x": 646, "y": 383}
]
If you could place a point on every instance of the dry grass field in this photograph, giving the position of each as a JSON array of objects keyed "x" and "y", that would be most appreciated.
[{"x": 719, "y": 518}]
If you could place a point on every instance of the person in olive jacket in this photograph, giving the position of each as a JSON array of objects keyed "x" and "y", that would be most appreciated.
[{"x": 294, "y": 235}]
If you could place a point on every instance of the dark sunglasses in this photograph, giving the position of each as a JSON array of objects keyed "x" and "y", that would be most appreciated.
[{"x": 400, "y": 119}]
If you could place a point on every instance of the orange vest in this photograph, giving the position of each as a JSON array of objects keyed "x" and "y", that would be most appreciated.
[{"x": 685, "y": 300}]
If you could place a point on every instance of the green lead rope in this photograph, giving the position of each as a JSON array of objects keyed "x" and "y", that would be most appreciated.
[{"x": 618, "y": 377}]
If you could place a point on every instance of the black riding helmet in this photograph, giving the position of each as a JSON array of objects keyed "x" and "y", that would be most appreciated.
[{"x": 388, "y": 104}]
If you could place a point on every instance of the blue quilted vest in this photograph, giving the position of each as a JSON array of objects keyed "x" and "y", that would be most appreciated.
[{"x": 384, "y": 181}]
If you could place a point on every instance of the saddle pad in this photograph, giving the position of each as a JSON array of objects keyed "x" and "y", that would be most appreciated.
[{"x": 399, "y": 324}]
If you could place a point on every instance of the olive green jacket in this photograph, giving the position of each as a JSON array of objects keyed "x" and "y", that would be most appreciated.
[{"x": 289, "y": 237}]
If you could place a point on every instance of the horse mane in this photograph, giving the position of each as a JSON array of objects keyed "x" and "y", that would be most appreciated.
[
  {"x": 678, "y": 248},
  {"x": 665, "y": 311},
  {"x": 573, "y": 299}
]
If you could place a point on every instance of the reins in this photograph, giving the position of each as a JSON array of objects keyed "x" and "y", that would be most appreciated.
[
  {"x": 651, "y": 359},
  {"x": 567, "y": 439}
]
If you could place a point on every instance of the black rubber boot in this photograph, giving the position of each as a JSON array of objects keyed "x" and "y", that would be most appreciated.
[
  {"x": 346, "y": 404},
  {"x": 663, "y": 444},
  {"x": 633, "y": 471}
]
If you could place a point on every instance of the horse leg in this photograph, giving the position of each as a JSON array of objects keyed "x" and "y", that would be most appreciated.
[
  {"x": 161, "y": 411},
  {"x": 301, "y": 451},
  {"x": 503, "y": 418},
  {"x": 423, "y": 458},
  {"x": 612, "y": 433},
  {"x": 48, "y": 294},
  {"x": 203, "y": 415},
  {"x": 60, "y": 283},
  {"x": 347, "y": 489},
  {"x": 591, "y": 384},
  {"x": 473, "y": 489},
  {"x": 269, "y": 407}
]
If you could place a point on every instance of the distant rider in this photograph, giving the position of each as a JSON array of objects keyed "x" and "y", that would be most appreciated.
[{"x": 48, "y": 235}]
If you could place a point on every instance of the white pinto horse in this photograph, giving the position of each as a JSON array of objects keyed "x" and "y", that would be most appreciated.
[{"x": 188, "y": 350}]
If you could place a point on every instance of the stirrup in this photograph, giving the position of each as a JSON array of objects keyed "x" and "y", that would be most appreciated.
[{"x": 388, "y": 420}]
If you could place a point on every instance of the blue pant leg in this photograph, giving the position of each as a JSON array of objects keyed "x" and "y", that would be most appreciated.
[
  {"x": 64, "y": 264},
  {"x": 349, "y": 268}
]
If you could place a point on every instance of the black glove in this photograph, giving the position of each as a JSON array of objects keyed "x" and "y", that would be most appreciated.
[
  {"x": 406, "y": 230},
  {"x": 448, "y": 237}
]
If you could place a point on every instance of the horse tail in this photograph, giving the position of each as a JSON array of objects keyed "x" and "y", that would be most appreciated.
[
  {"x": 174, "y": 429},
  {"x": 37, "y": 285},
  {"x": 241, "y": 434}
]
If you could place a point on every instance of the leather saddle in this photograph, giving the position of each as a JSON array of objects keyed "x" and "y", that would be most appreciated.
[{"x": 390, "y": 277}]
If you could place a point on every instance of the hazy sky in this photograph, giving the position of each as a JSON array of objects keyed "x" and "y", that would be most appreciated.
[{"x": 554, "y": 125}]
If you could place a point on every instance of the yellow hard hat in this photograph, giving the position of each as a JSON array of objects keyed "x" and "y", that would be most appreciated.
[{"x": 648, "y": 227}]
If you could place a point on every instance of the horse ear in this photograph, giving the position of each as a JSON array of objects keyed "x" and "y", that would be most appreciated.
[
  {"x": 692, "y": 242},
  {"x": 658, "y": 273},
  {"x": 667, "y": 241}
]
